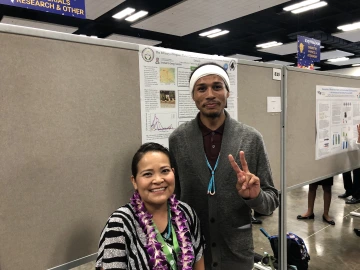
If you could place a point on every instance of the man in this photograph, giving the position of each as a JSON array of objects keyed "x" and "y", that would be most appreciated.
[
  {"x": 352, "y": 187},
  {"x": 206, "y": 151}
]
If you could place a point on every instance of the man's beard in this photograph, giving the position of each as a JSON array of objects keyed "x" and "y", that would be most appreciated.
[{"x": 212, "y": 115}]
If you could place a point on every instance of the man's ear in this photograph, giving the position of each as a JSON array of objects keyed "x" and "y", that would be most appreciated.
[{"x": 133, "y": 181}]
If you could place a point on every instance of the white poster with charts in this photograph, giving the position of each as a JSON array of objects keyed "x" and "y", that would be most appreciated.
[
  {"x": 165, "y": 97},
  {"x": 337, "y": 114}
]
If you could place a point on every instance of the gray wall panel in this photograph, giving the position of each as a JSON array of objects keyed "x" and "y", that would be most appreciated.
[
  {"x": 69, "y": 125},
  {"x": 301, "y": 166},
  {"x": 255, "y": 84}
]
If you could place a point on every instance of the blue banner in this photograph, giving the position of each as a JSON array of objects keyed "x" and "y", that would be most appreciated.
[
  {"x": 73, "y": 8},
  {"x": 308, "y": 52}
]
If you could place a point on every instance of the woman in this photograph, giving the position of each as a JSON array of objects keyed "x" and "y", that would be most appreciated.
[
  {"x": 326, "y": 185},
  {"x": 154, "y": 230}
]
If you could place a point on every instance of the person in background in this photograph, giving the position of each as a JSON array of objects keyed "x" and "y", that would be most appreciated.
[
  {"x": 215, "y": 178},
  {"x": 154, "y": 230},
  {"x": 326, "y": 185},
  {"x": 352, "y": 187}
]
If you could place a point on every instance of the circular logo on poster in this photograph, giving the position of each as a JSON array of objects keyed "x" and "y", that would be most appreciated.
[{"x": 148, "y": 54}]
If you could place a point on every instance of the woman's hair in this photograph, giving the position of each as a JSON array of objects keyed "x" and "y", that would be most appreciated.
[{"x": 147, "y": 147}]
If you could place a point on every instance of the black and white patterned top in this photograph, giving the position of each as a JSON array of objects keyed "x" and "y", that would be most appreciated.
[{"x": 122, "y": 241}]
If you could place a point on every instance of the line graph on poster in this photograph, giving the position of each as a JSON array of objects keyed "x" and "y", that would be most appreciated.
[{"x": 161, "y": 121}]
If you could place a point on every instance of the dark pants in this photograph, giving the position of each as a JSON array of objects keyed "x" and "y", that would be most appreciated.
[{"x": 352, "y": 186}]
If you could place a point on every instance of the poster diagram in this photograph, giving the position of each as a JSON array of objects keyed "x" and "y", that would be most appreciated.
[
  {"x": 166, "y": 100},
  {"x": 161, "y": 121},
  {"x": 337, "y": 114}
]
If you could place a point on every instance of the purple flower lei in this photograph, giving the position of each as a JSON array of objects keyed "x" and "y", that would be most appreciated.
[{"x": 153, "y": 247}]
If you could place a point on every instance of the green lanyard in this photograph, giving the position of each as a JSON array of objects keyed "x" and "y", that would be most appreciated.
[{"x": 165, "y": 247}]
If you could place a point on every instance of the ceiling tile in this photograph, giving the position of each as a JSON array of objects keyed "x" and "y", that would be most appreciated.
[
  {"x": 194, "y": 15},
  {"x": 96, "y": 8},
  {"x": 244, "y": 57},
  {"x": 334, "y": 54},
  {"x": 277, "y": 62},
  {"x": 39, "y": 25},
  {"x": 345, "y": 63},
  {"x": 284, "y": 49},
  {"x": 353, "y": 36},
  {"x": 135, "y": 40}
]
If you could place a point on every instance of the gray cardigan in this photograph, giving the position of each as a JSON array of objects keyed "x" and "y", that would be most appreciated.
[{"x": 228, "y": 246}]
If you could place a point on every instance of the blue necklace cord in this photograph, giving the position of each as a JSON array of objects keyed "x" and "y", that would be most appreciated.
[
  {"x": 211, "y": 186},
  {"x": 168, "y": 225}
]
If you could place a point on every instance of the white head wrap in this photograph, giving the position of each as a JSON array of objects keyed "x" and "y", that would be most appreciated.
[{"x": 209, "y": 70}]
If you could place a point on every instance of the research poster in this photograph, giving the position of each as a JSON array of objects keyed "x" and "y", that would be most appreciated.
[
  {"x": 337, "y": 114},
  {"x": 73, "y": 8},
  {"x": 165, "y": 97}
]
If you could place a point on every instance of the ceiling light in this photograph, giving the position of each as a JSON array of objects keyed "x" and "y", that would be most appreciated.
[
  {"x": 125, "y": 12},
  {"x": 266, "y": 44},
  {"x": 313, "y": 6},
  {"x": 349, "y": 27},
  {"x": 210, "y": 32},
  {"x": 218, "y": 34},
  {"x": 356, "y": 65},
  {"x": 301, "y": 4},
  {"x": 269, "y": 44},
  {"x": 137, "y": 15},
  {"x": 340, "y": 59},
  {"x": 272, "y": 45}
]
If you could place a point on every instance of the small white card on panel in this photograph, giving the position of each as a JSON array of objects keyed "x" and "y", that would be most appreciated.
[
  {"x": 273, "y": 104},
  {"x": 277, "y": 74}
]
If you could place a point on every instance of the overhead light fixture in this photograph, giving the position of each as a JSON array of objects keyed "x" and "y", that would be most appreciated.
[
  {"x": 340, "y": 59},
  {"x": 269, "y": 44},
  {"x": 218, "y": 34},
  {"x": 125, "y": 12},
  {"x": 301, "y": 4},
  {"x": 356, "y": 65},
  {"x": 137, "y": 15},
  {"x": 272, "y": 45},
  {"x": 313, "y": 6},
  {"x": 349, "y": 27},
  {"x": 210, "y": 32},
  {"x": 266, "y": 44}
]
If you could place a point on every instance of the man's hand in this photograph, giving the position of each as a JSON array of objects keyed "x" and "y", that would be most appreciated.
[
  {"x": 358, "y": 129},
  {"x": 248, "y": 184}
]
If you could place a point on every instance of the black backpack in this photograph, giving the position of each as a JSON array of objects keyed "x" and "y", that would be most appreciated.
[{"x": 297, "y": 253}]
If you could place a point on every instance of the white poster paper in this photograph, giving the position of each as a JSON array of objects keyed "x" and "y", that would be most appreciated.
[
  {"x": 165, "y": 97},
  {"x": 337, "y": 114}
]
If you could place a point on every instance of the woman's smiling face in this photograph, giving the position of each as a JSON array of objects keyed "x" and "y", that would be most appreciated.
[{"x": 155, "y": 180}]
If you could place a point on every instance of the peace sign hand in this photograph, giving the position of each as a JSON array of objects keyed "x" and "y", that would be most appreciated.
[{"x": 248, "y": 184}]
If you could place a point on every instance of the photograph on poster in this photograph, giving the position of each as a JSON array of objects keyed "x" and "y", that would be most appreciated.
[{"x": 167, "y": 99}]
